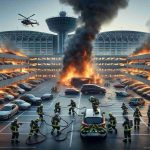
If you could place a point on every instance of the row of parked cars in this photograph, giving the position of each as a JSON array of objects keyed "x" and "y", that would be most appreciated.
[
  {"x": 138, "y": 87},
  {"x": 6, "y": 63},
  {"x": 20, "y": 102},
  {"x": 86, "y": 89}
]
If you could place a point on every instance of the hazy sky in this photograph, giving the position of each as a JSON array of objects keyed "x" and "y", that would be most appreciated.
[{"x": 134, "y": 17}]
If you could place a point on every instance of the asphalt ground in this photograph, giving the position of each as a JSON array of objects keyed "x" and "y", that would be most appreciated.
[{"x": 109, "y": 103}]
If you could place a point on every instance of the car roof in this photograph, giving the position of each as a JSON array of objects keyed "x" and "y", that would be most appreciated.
[
  {"x": 9, "y": 104},
  {"x": 91, "y": 113},
  {"x": 134, "y": 98}
]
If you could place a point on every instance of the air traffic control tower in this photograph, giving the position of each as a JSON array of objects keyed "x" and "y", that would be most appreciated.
[{"x": 62, "y": 25}]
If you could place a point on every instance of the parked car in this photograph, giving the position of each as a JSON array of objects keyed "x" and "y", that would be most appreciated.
[
  {"x": 119, "y": 86},
  {"x": 17, "y": 89},
  {"x": 33, "y": 100},
  {"x": 92, "y": 89},
  {"x": 122, "y": 94},
  {"x": 135, "y": 84},
  {"x": 136, "y": 101},
  {"x": 8, "y": 110},
  {"x": 72, "y": 91},
  {"x": 90, "y": 120},
  {"x": 7, "y": 96},
  {"x": 145, "y": 93},
  {"x": 138, "y": 87},
  {"x": 10, "y": 91},
  {"x": 47, "y": 96},
  {"x": 147, "y": 96},
  {"x": 23, "y": 105},
  {"x": 140, "y": 91},
  {"x": 24, "y": 86}
]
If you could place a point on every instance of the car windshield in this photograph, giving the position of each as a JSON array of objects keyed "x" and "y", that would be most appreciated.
[
  {"x": 19, "y": 102},
  {"x": 93, "y": 120},
  {"x": 6, "y": 108},
  {"x": 31, "y": 96}
]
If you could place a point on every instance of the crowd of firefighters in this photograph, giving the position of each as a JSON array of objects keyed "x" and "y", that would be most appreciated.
[{"x": 55, "y": 121}]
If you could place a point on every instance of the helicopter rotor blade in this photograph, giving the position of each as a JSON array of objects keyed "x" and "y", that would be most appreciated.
[
  {"x": 22, "y": 16},
  {"x": 33, "y": 20},
  {"x": 20, "y": 19},
  {"x": 31, "y": 16}
]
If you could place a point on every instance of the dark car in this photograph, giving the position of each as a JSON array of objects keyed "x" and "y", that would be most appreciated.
[
  {"x": 33, "y": 100},
  {"x": 93, "y": 125},
  {"x": 47, "y": 96},
  {"x": 24, "y": 86},
  {"x": 72, "y": 91},
  {"x": 92, "y": 89},
  {"x": 119, "y": 86},
  {"x": 136, "y": 101},
  {"x": 122, "y": 94}
]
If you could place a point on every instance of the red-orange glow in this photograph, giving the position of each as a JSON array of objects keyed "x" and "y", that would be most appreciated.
[
  {"x": 88, "y": 71},
  {"x": 141, "y": 52},
  {"x": 5, "y": 50}
]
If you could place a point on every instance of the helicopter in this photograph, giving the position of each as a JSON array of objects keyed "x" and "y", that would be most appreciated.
[{"x": 28, "y": 21}]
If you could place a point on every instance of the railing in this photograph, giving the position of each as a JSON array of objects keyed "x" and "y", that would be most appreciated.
[
  {"x": 13, "y": 66},
  {"x": 138, "y": 66}
]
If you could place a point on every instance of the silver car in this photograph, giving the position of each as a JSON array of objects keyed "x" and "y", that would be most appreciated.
[
  {"x": 8, "y": 110},
  {"x": 21, "y": 104}
]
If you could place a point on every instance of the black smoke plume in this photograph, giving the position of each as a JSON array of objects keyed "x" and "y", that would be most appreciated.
[{"x": 93, "y": 13}]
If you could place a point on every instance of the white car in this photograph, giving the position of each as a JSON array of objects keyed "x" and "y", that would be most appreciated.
[{"x": 8, "y": 110}]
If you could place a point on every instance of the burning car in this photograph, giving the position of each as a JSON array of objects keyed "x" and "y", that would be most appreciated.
[{"x": 78, "y": 82}]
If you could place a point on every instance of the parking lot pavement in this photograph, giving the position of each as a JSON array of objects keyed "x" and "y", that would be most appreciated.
[{"x": 108, "y": 103}]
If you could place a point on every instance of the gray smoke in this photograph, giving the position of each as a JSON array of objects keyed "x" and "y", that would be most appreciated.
[{"x": 93, "y": 13}]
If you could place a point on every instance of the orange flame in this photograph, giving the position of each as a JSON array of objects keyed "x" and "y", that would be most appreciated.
[
  {"x": 141, "y": 52},
  {"x": 5, "y": 50},
  {"x": 89, "y": 71}
]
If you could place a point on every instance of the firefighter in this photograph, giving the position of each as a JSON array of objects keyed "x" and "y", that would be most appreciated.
[
  {"x": 95, "y": 104},
  {"x": 127, "y": 130},
  {"x": 112, "y": 123},
  {"x": 34, "y": 128},
  {"x": 14, "y": 129},
  {"x": 57, "y": 108},
  {"x": 125, "y": 109},
  {"x": 40, "y": 112},
  {"x": 54, "y": 89},
  {"x": 55, "y": 124},
  {"x": 72, "y": 107},
  {"x": 148, "y": 115},
  {"x": 137, "y": 114}
]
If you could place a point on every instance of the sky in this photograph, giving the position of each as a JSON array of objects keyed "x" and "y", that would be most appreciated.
[{"x": 134, "y": 17}]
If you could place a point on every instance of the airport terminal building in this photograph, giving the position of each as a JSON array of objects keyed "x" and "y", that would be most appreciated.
[{"x": 110, "y": 50}]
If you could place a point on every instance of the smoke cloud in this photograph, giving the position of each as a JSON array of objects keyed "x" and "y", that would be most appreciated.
[{"x": 93, "y": 14}]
